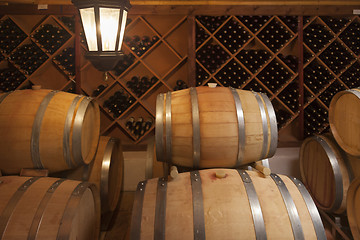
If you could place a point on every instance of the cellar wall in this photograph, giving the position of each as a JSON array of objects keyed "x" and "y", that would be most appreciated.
[{"x": 259, "y": 53}]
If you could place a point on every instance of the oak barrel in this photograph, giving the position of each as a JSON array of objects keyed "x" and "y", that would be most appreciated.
[
  {"x": 48, "y": 208},
  {"x": 47, "y": 129},
  {"x": 224, "y": 204},
  {"x": 106, "y": 172},
  {"x": 353, "y": 208},
  {"x": 326, "y": 171},
  {"x": 344, "y": 119},
  {"x": 207, "y": 127}
]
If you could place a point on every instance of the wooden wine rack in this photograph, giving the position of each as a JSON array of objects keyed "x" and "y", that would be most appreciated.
[{"x": 183, "y": 40}]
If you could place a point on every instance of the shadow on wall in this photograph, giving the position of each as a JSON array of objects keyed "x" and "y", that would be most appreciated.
[{"x": 286, "y": 161}]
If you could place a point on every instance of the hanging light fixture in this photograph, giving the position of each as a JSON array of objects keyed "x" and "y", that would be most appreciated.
[{"x": 104, "y": 24}]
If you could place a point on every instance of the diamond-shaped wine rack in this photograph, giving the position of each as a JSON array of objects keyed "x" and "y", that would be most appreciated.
[{"x": 258, "y": 53}]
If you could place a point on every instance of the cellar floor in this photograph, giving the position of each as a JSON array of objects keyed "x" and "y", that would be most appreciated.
[{"x": 119, "y": 225}]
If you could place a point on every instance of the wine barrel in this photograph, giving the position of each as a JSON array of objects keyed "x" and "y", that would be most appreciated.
[
  {"x": 47, "y": 129},
  {"x": 224, "y": 204},
  {"x": 48, "y": 208},
  {"x": 344, "y": 115},
  {"x": 207, "y": 127},
  {"x": 353, "y": 207},
  {"x": 106, "y": 172},
  {"x": 326, "y": 171}
]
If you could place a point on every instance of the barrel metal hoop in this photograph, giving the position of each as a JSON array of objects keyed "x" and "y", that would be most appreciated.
[
  {"x": 356, "y": 93},
  {"x": 273, "y": 125},
  {"x": 198, "y": 206},
  {"x": 12, "y": 203},
  {"x": 314, "y": 214},
  {"x": 337, "y": 173},
  {"x": 264, "y": 125},
  {"x": 258, "y": 219},
  {"x": 67, "y": 128},
  {"x": 241, "y": 127},
  {"x": 168, "y": 129},
  {"x": 196, "y": 127},
  {"x": 4, "y": 95},
  {"x": 135, "y": 228},
  {"x": 104, "y": 176},
  {"x": 70, "y": 210},
  {"x": 290, "y": 207},
  {"x": 36, "y": 129},
  {"x": 160, "y": 210},
  {"x": 159, "y": 128},
  {"x": 77, "y": 130},
  {"x": 35, "y": 225}
]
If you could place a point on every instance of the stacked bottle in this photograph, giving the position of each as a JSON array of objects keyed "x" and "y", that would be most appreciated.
[
  {"x": 99, "y": 90},
  {"x": 180, "y": 84},
  {"x": 336, "y": 57},
  {"x": 352, "y": 76},
  {"x": 290, "y": 96},
  {"x": 335, "y": 24},
  {"x": 255, "y": 86},
  {"x": 274, "y": 76},
  {"x": 254, "y": 59},
  {"x": 66, "y": 61},
  {"x": 316, "y": 77},
  {"x": 140, "y": 45},
  {"x": 307, "y": 56},
  {"x": 290, "y": 21},
  {"x": 290, "y": 60},
  {"x": 138, "y": 127},
  {"x": 71, "y": 88},
  {"x": 69, "y": 22},
  {"x": 10, "y": 36},
  {"x": 139, "y": 85},
  {"x": 211, "y": 23},
  {"x": 282, "y": 116},
  {"x": 233, "y": 75},
  {"x": 118, "y": 103},
  {"x": 330, "y": 92},
  {"x": 201, "y": 35},
  {"x": 28, "y": 57},
  {"x": 351, "y": 37},
  {"x": 127, "y": 61},
  {"x": 315, "y": 118},
  {"x": 50, "y": 37},
  {"x": 212, "y": 56},
  {"x": 275, "y": 35},
  {"x": 254, "y": 23},
  {"x": 10, "y": 79},
  {"x": 201, "y": 75},
  {"x": 233, "y": 36},
  {"x": 316, "y": 36}
]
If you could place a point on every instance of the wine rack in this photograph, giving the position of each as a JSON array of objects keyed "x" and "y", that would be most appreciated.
[
  {"x": 30, "y": 42},
  {"x": 257, "y": 53},
  {"x": 331, "y": 65},
  {"x": 330, "y": 61},
  {"x": 154, "y": 61}
]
